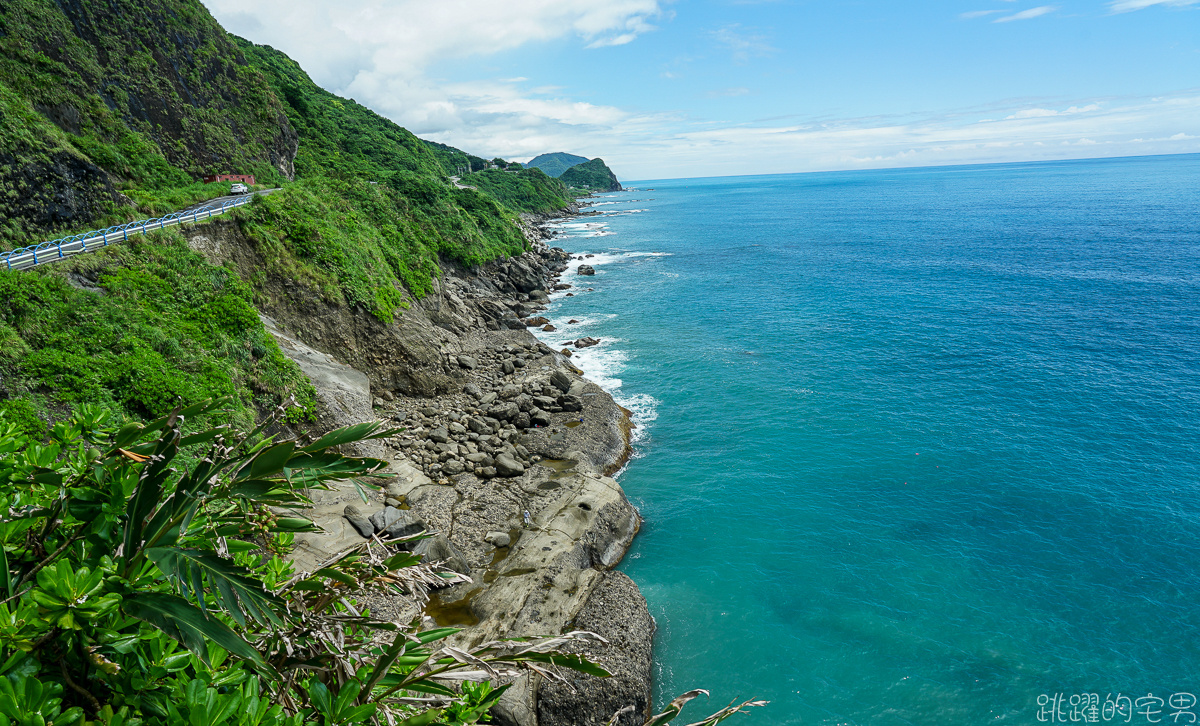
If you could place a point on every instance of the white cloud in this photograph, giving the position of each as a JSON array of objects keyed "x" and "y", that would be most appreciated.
[
  {"x": 1046, "y": 112},
  {"x": 744, "y": 44},
  {"x": 978, "y": 14},
  {"x": 1027, "y": 14},
  {"x": 1125, "y": 6}
]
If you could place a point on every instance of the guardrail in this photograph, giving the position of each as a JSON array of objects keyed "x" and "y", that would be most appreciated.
[{"x": 23, "y": 258}]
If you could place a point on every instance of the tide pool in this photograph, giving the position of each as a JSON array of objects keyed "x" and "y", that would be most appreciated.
[{"x": 915, "y": 446}]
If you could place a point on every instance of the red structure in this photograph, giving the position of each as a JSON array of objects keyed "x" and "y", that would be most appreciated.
[{"x": 243, "y": 178}]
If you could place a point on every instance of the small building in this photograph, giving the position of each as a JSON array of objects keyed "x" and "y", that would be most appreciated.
[{"x": 243, "y": 178}]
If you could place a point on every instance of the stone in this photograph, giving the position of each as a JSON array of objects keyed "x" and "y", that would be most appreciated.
[
  {"x": 393, "y": 502},
  {"x": 358, "y": 521},
  {"x": 538, "y": 417},
  {"x": 548, "y": 328},
  {"x": 504, "y": 411},
  {"x": 405, "y": 524},
  {"x": 488, "y": 472},
  {"x": 453, "y": 467},
  {"x": 497, "y": 539},
  {"x": 567, "y": 352},
  {"x": 510, "y": 391},
  {"x": 478, "y": 426},
  {"x": 544, "y": 402},
  {"x": 473, "y": 391},
  {"x": 428, "y": 411},
  {"x": 522, "y": 420},
  {"x": 508, "y": 367},
  {"x": 439, "y": 435},
  {"x": 539, "y": 296},
  {"x": 457, "y": 428},
  {"x": 506, "y": 465},
  {"x": 587, "y": 342},
  {"x": 468, "y": 362},
  {"x": 518, "y": 362},
  {"x": 587, "y": 270},
  {"x": 572, "y": 321},
  {"x": 561, "y": 381},
  {"x": 570, "y": 403},
  {"x": 439, "y": 549},
  {"x": 487, "y": 398},
  {"x": 377, "y": 402}
]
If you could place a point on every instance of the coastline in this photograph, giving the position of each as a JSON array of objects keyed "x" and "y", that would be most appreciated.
[{"x": 507, "y": 454}]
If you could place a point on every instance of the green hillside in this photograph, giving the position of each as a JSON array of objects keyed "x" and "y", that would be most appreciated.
[
  {"x": 593, "y": 176},
  {"x": 118, "y": 107},
  {"x": 556, "y": 163}
]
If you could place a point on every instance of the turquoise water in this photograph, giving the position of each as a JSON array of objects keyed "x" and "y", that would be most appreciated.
[{"x": 915, "y": 446}]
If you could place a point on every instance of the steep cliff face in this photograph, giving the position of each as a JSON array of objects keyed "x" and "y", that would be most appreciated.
[{"x": 592, "y": 175}]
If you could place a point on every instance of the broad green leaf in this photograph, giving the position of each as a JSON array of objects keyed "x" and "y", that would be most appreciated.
[
  {"x": 271, "y": 460},
  {"x": 567, "y": 660},
  {"x": 185, "y": 623},
  {"x": 235, "y": 588},
  {"x": 422, "y": 719},
  {"x": 358, "y": 432}
]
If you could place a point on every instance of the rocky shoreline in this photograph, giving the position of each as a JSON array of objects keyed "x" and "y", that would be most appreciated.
[{"x": 507, "y": 453}]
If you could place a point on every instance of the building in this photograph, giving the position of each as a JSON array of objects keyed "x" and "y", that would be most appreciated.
[{"x": 243, "y": 178}]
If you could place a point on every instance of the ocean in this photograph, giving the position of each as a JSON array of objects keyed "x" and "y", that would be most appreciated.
[{"x": 914, "y": 446}]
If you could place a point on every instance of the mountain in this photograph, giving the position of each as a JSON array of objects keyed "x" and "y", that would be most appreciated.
[
  {"x": 556, "y": 163},
  {"x": 591, "y": 175}
]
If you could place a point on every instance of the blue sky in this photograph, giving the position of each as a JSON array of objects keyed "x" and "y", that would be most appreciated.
[{"x": 713, "y": 87}]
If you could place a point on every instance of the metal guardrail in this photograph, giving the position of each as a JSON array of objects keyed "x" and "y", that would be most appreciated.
[{"x": 23, "y": 258}]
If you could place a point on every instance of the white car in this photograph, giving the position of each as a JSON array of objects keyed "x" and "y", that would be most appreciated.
[{"x": 239, "y": 188}]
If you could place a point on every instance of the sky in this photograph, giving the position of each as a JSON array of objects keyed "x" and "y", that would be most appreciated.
[{"x": 690, "y": 88}]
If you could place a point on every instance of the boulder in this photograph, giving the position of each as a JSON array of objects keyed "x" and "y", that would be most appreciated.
[
  {"x": 504, "y": 411},
  {"x": 510, "y": 391},
  {"x": 506, "y": 465},
  {"x": 487, "y": 398},
  {"x": 468, "y": 362},
  {"x": 487, "y": 472},
  {"x": 535, "y": 322},
  {"x": 567, "y": 352},
  {"x": 439, "y": 549},
  {"x": 397, "y": 522},
  {"x": 473, "y": 391},
  {"x": 547, "y": 328},
  {"x": 479, "y": 426},
  {"x": 508, "y": 367},
  {"x": 453, "y": 467},
  {"x": 539, "y": 296},
  {"x": 561, "y": 381},
  {"x": 587, "y": 342},
  {"x": 359, "y": 521},
  {"x": 497, "y": 539},
  {"x": 457, "y": 428},
  {"x": 439, "y": 435},
  {"x": 538, "y": 417},
  {"x": 586, "y": 270}
]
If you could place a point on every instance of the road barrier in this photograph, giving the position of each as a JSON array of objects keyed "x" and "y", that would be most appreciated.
[{"x": 40, "y": 254}]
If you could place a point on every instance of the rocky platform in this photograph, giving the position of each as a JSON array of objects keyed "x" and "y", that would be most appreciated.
[{"x": 506, "y": 453}]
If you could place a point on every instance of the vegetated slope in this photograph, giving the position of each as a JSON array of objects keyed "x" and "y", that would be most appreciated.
[
  {"x": 141, "y": 96},
  {"x": 556, "y": 163},
  {"x": 152, "y": 92},
  {"x": 591, "y": 175}
]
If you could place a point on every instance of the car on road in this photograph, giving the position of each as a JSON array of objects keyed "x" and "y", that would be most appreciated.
[{"x": 239, "y": 188}]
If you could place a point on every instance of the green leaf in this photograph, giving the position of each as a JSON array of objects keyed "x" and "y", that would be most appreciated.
[
  {"x": 349, "y": 434},
  {"x": 422, "y": 719},
  {"x": 185, "y": 623},
  {"x": 271, "y": 460},
  {"x": 234, "y": 587}
]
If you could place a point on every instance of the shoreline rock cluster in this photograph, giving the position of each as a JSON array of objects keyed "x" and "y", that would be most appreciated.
[{"x": 506, "y": 456}]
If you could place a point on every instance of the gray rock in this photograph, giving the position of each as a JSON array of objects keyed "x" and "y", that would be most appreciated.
[
  {"x": 586, "y": 270},
  {"x": 476, "y": 458},
  {"x": 439, "y": 549},
  {"x": 473, "y": 391},
  {"x": 538, "y": 417},
  {"x": 488, "y": 472},
  {"x": 561, "y": 381},
  {"x": 509, "y": 392},
  {"x": 358, "y": 521},
  {"x": 508, "y": 367},
  {"x": 497, "y": 539},
  {"x": 397, "y": 522},
  {"x": 522, "y": 420},
  {"x": 439, "y": 435},
  {"x": 428, "y": 411},
  {"x": 457, "y": 428},
  {"x": 504, "y": 411},
  {"x": 587, "y": 342},
  {"x": 539, "y": 296},
  {"x": 506, "y": 465},
  {"x": 468, "y": 362},
  {"x": 453, "y": 467},
  {"x": 488, "y": 398},
  {"x": 479, "y": 426},
  {"x": 518, "y": 362},
  {"x": 544, "y": 401},
  {"x": 570, "y": 403},
  {"x": 377, "y": 402}
]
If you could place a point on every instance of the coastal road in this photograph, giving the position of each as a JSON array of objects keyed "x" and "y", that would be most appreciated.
[{"x": 25, "y": 257}]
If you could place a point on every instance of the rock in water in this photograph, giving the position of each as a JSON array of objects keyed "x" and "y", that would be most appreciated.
[
  {"x": 586, "y": 270},
  {"x": 547, "y": 328},
  {"x": 587, "y": 342},
  {"x": 359, "y": 521},
  {"x": 508, "y": 466}
]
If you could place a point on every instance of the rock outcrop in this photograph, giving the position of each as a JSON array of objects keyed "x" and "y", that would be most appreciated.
[{"x": 506, "y": 455}]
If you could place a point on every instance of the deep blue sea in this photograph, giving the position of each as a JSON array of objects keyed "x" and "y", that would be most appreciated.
[{"x": 915, "y": 446}]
